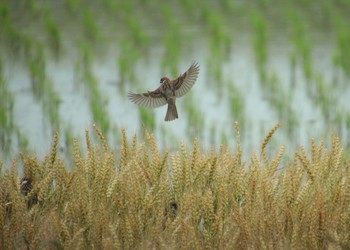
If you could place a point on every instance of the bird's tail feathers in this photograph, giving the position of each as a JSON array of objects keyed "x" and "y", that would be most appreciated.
[{"x": 171, "y": 113}]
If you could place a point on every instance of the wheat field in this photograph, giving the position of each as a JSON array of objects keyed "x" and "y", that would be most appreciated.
[{"x": 146, "y": 198}]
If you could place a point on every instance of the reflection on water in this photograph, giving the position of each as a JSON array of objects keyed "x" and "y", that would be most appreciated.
[{"x": 235, "y": 83}]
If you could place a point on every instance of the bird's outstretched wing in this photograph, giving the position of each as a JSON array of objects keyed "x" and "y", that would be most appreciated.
[
  {"x": 184, "y": 82},
  {"x": 150, "y": 99}
]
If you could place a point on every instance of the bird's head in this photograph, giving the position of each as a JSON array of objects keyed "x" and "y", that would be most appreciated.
[
  {"x": 164, "y": 79},
  {"x": 26, "y": 185}
]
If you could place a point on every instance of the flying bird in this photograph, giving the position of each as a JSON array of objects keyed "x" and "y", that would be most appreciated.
[{"x": 167, "y": 92}]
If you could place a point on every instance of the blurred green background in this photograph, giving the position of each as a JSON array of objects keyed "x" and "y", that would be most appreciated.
[{"x": 65, "y": 65}]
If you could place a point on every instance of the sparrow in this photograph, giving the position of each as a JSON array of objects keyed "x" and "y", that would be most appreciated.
[
  {"x": 26, "y": 187},
  {"x": 167, "y": 92}
]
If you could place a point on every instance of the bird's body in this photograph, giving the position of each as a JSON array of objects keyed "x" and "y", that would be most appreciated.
[{"x": 167, "y": 92}]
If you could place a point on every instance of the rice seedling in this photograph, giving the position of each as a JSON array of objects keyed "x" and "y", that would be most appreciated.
[
  {"x": 194, "y": 116},
  {"x": 72, "y": 5},
  {"x": 260, "y": 41},
  {"x": 173, "y": 42},
  {"x": 52, "y": 108},
  {"x": 189, "y": 6},
  {"x": 91, "y": 29},
  {"x": 10, "y": 34},
  {"x": 228, "y": 5},
  {"x": 4, "y": 11},
  {"x": 4, "y": 16},
  {"x": 219, "y": 51},
  {"x": 214, "y": 67},
  {"x": 126, "y": 7},
  {"x": 97, "y": 102},
  {"x": 221, "y": 35},
  {"x": 215, "y": 59},
  {"x": 138, "y": 35},
  {"x": 236, "y": 101},
  {"x": 87, "y": 57},
  {"x": 220, "y": 43},
  {"x": 347, "y": 119},
  {"x": 126, "y": 62},
  {"x": 172, "y": 50},
  {"x": 224, "y": 138},
  {"x": 189, "y": 198},
  {"x": 112, "y": 6},
  {"x": 324, "y": 97},
  {"x": 7, "y": 125},
  {"x": 217, "y": 29},
  {"x": 341, "y": 57},
  {"x": 281, "y": 101},
  {"x": 41, "y": 85},
  {"x": 36, "y": 65},
  {"x": 213, "y": 133},
  {"x": 22, "y": 140},
  {"x": 301, "y": 42},
  {"x": 53, "y": 33},
  {"x": 34, "y": 7},
  {"x": 339, "y": 123},
  {"x": 347, "y": 126},
  {"x": 293, "y": 66},
  {"x": 147, "y": 119}
]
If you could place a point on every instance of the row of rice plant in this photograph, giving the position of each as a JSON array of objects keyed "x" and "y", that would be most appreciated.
[
  {"x": 42, "y": 85},
  {"x": 7, "y": 124},
  {"x": 237, "y": 104},
  {"x": 194, "y": 115},
  {"x": 13, "y": 38},
  {"x": 33, "y": 52},
  {"x": 54, "y": 36},
  {"x": 260, "y": 42},
  {"x": 127, "y": 59},
  {"x": 271, "y": 85},
  {"x": 342, "y": 53},
  {"x": 98, "y": 102},
  {"x": 302, "y": 44},
  {"x": 321, "y": 93},
  {"x": 10, "y": 132},
  {"x": 147, "y": 119}
]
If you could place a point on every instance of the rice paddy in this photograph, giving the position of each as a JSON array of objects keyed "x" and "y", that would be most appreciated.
[
  {"x": 269, "y": 54},
  {"x": 67, "y": 65}
]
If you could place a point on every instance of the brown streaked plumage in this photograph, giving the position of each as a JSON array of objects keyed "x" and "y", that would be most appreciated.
[
  {"x": 26, "y": 187},
  {"x": 167, "y": 92}
]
